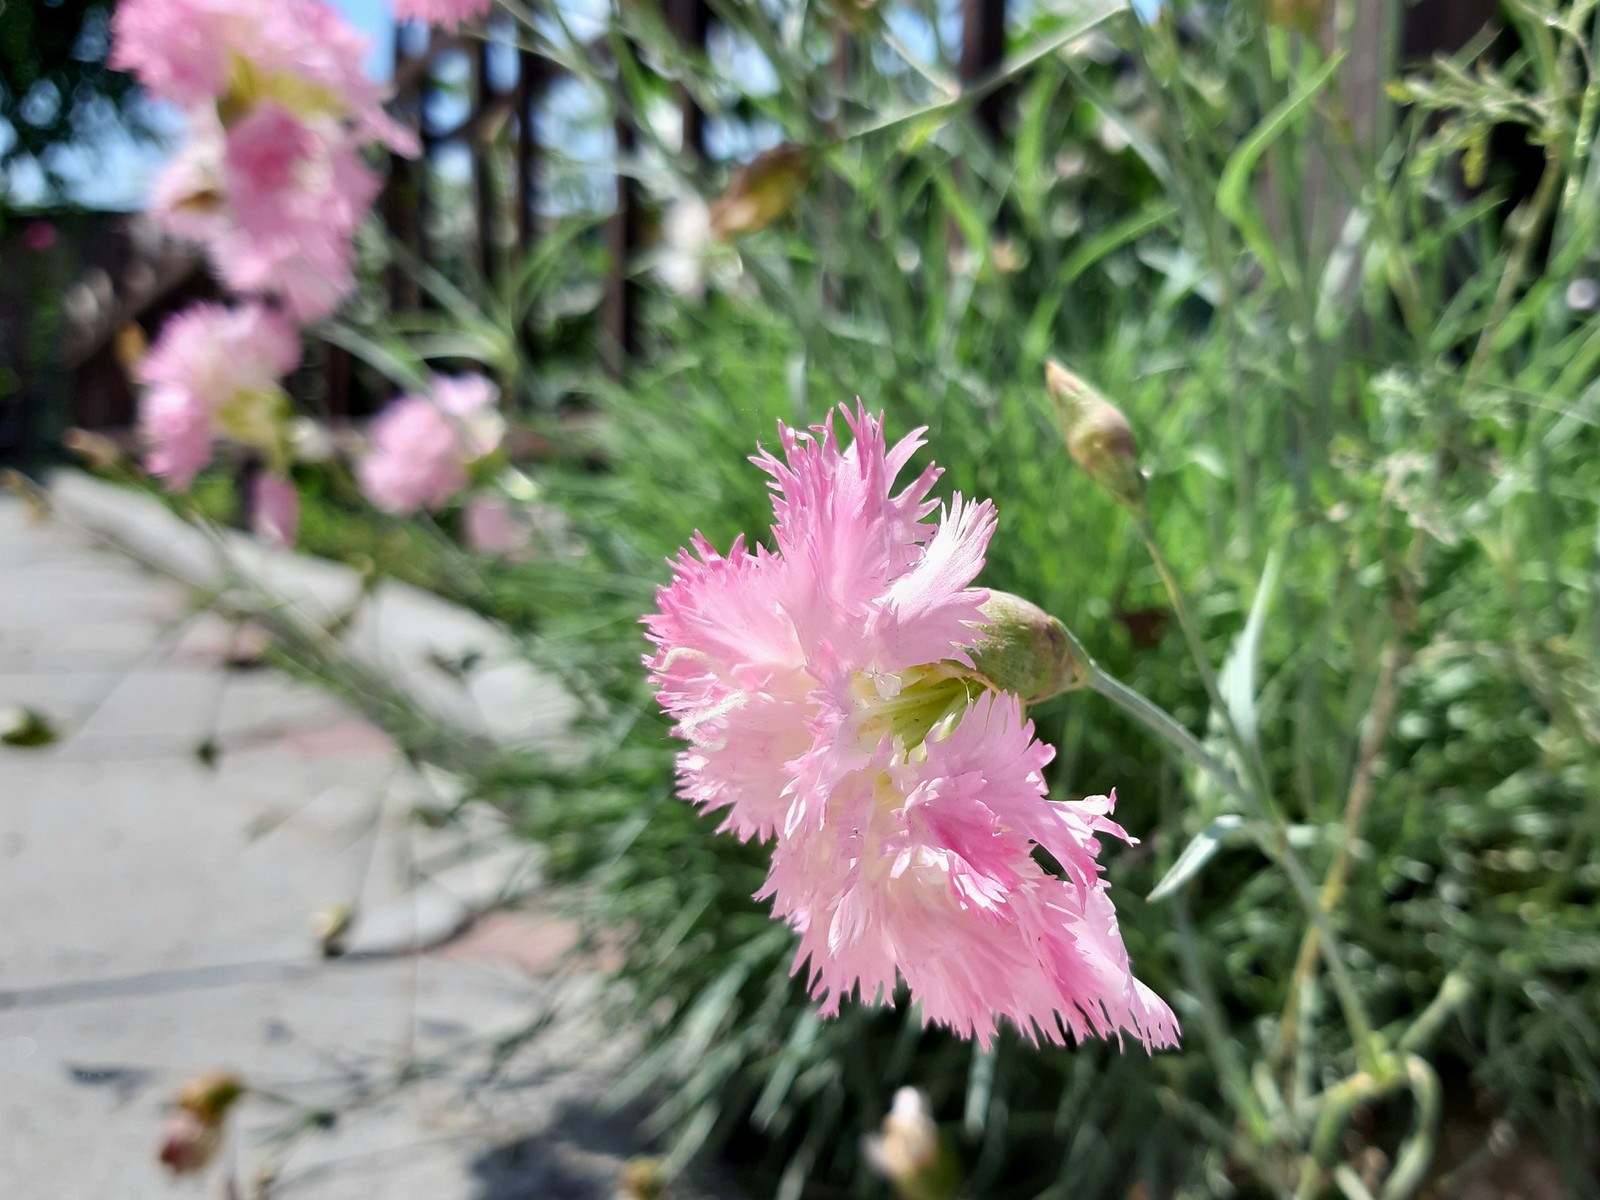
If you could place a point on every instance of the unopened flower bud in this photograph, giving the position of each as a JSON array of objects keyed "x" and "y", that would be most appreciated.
[
  {"x": 96, "y": 449},
  {"x": 1098, "y": 436},
  {"x": 761, "y": 191},
  {"x": 193, "y": 1133},
  {"x": 1025, "y": 650},
  {"x": 188, "y": 1143},
  {"x": 909, "y": 1153}
]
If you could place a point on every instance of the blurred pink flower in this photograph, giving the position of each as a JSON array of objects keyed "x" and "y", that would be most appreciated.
[
  {"x": 276, "y": 202},
  {"x": 492, "y": 526},
  {"x": 274, "y": 509},
  {"x": 212, "y": 368},
  {"x": 238, "y": 53},
  {"x": 298, "y": 196},
  {"x": 273, "y": 179},
  {"x": 176, "y": 424},
  {"x": 422, "y": 445},
  {"x": 827, "y": 692},
  {"x": 445, "y": 13}
]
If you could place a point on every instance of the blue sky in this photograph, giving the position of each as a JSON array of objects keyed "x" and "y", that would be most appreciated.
[{"x": 116, "y": 173}]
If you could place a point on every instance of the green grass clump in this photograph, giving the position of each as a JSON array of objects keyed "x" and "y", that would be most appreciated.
[{"x": 1353, "y": 356}]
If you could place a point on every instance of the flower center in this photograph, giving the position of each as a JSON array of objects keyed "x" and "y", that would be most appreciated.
[{"x": 913, "y": 705}]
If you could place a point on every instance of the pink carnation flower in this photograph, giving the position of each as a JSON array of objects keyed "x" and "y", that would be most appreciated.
[
  {"x": 422, "y": 445},
  {"x": 301, "y": 53},
  {"x": 211, "y": 367},
  {"x": 273, "y": 181},
  {"x": 298, "y": 197},
  {"x": 827, "y": 690},
  {"x": 276, "y": 202},
  {"x": 447, "y": 14}
]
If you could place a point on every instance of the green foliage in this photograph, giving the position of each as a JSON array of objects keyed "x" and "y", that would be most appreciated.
[{"x": 1368, "y": 405}]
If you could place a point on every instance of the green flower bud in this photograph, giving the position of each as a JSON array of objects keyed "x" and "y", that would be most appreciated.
[
  {"x": 1098, "y": 436},
  {"x": 1026, "y": 651}
]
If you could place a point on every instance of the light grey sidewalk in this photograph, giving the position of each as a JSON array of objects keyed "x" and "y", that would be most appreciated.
[{"x": 156, "y": 919}]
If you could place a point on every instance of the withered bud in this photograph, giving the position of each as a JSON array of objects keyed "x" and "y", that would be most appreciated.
[
  {"x": 188, "y": 1143},
  {"x": 130, "y": 346},
  {"x": 1098, "y": 436},
  {"x": 96, "y": 449},
  {"x": 642, "y": 1179},
  {"x": 330, "y": 925},
  {"x": 209, "y": 1096},
  {"x": 1026, "y": 651},
  {"x": 857, "y": 16},
  {"x": 761, "y": 191},
  {"x": 1302, "y": 16}
]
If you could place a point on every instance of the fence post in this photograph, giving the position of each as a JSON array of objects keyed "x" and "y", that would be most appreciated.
[
  {"x": 527, "y": 151},
  {"x": 405, "y": 192},
  {"x": 691, "y": 21},
  {"x": 477, "y": 132},
  {"x": 983, "y": 46},
  {"x": 622, "y": 235}
]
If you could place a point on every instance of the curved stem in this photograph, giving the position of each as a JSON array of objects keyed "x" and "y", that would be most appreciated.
[
  {"x": 1164, "y": 725},
  {"x": 1249, "y": 756}
]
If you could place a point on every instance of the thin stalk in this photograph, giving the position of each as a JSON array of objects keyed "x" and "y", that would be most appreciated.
[
  {"x": 1159, "y": 722},
  {"x": 1258, "y": 795},
  {"x": 1531, "y": 220},
  {"x": 1249, "y": 756},
  {"x": 1363, "y": 785},
  {"x": 1220, "y": 1044}
]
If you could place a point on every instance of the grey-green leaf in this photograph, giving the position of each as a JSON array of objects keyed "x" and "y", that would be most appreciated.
[
  {"x": 1237, "y": 681},
  {"x": 1195, "y": 855}
]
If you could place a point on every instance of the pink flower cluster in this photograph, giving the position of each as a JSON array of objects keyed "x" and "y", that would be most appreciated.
[
  {"x": 272, "y": 181},
  {"x": 422, "y": 445},
  {"x": 827, "y": 691}
]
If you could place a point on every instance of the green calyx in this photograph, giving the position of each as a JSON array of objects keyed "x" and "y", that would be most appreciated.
[{"x": 1026, "y": 651}]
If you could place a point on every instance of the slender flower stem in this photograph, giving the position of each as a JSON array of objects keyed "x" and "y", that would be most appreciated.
[
  {"x": 1167, "y": 728},
  {"x": 1257, "y": 793},
  {"x": 1159, "y": 722},
  {"x": 1249, "y": 756},
  {"x": 1362, "y": 786}
]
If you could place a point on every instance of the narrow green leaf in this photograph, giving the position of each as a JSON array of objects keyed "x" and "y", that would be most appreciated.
[
  {"x": 1237, "y": 682},
  {"x": 1037, "y": 338},
  {"x": 1235, "y": 194},
  {"x": 1195, "y": 855},
  {"x": 391, "y": 357}
]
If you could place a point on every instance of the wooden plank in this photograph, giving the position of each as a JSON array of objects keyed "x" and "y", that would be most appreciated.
[
  {"x": 983, "y": 46},
  {"x": 478, "y": 146},
  {"x": 691, "y": 21},
  {"x": 623, "y": 237},
  {"x": 527, "y": 150}
]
